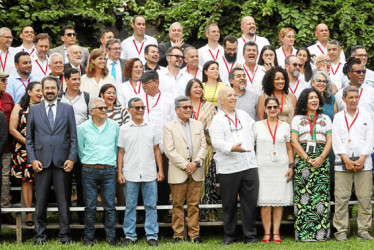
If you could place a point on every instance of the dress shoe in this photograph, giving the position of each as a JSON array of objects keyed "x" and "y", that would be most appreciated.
[
  {"x": 365, "y": 236},
  {"x": 177, "y": 240},
  {"x": 113, "y": 243},
  {"x": 197, "y": 240},
  {"x": 88, "y": 243},
  {"x": 253, "y": 241},
  {"x": 8, "y": 219},
  {"x": 39, "y": 242},
  {"x": 341, "y": 237},
  {"x": 128, "y": 242},
  {"x": 227, "y": 242},
  {"x": 152, "y": 243}
]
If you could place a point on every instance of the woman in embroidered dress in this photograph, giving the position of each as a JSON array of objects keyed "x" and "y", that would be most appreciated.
[
  {"x": 311, "y": 141},
  {"x": 212, "y": 82}
]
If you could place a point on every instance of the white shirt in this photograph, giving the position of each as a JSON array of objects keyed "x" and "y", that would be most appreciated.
[
  {"x": 222, "y": 133},
  {"x": 281, "y": 56},
  {"x": 297, "y": 87},
  {"x": 125, "y": 92},
  {"x": 54, "y": 108},
  {"x": 254, "y": 81},
  {"x": 318, "y": 49},
  {"x": 172, "y": 85},
  {"x": 30, "y": 51},
  {"x": 79, "y": 105},
  {"x": 89, "y": 84},
  {"x": 208, "y": 54},
  {"x": 39, "y": 69},
  {"x": 366, "y": 99},
  {"x": 117, "y": 67},
  {"x": 7, "y": 60},
  {"x": 132, "y": 48},
  {"x": 161, "y": 111},
  {"x": 197, "y": 74},
  {"x": 358, "y": 141},
  {"x": 336, "y": 74},
  {"x": 259, "y": 40},
  {"x": 225, "y": 67},
  {"x": 139, "y": 164}
]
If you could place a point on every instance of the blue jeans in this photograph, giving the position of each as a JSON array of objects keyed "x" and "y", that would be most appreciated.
[
  {"x": 92, "y": 180},
  {"x": 149, "y": 191}
]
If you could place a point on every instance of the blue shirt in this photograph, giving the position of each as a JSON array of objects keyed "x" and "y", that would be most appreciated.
[
  {"x": 16, "y": 86},
  {"x": 95, "y": 146}
]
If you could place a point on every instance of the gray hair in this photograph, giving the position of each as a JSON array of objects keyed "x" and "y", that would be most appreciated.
[
  {"x": 349, "y": 89},
  {"x": 93, "y": 101},
  {"x": 132, "y": 100},
  {"x": 112, "y": 41},
  {"x": 175, "y": 23},
  {"x": 180, "y": 99},
  {"x": 288, "y": 59},
  {"x": 328, "y": 91},
  {"x": 187, "y": 49},
  {"x": 73, "y": 47},
  {"x": 53, "y": 55},
  {"x": 3, "y": 29},
  {"x": 210, "y": 25},
  {"x": 231, "y": 74},
  {"x": 335, "y": 42}
]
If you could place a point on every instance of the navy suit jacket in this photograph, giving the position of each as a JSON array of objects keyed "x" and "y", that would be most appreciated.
[
  {"x": 49, "y": 145},
  {"x": 163, "y": 48}
]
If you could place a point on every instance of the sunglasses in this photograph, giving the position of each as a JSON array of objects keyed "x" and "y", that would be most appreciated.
[
  {"x": 137, "y": 108},
  {"x": 3, "y": 79},
  {"x": 71, "y": 34},
  {"x": 360, "y": 71},
  {"x": 297, "y": 64},
  {"x": 178, "y": 57},
  {"x": 319, "y": 81},
  {"x": 272, "y": 107},
  {"x": 102, "y": 108},
  {"x": 187, "y": 107}
]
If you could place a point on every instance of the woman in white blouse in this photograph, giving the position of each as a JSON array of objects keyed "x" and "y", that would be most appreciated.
[{"x": 287, "y": 39}]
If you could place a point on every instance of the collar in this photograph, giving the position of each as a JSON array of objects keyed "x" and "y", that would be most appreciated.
[
  {"x": 110, "y": 61},
  {"x": 346, "y": 112},
  {"x": 132, "y": 123},
  {"x": 183, "y": 123},
  {"x": 133, "y": 38},
  {"x": 46, "y": 103},
  {"x": 320, "y": 44},
  {"x": 17, "y": 76}
]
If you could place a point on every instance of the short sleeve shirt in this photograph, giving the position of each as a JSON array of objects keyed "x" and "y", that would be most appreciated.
[{"x": 301, "y": 126}]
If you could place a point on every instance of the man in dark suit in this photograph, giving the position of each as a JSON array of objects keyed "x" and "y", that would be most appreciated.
[
  {"x": 69, "y": 37},
  {"x": 75, "y": 57},
  {"x": 114, "y": 63},
  {"x": 51, "y": 145},
  {"x": 176, "y": 39}
]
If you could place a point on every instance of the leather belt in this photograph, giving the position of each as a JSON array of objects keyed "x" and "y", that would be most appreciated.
[{"x": 99, "y": 166}]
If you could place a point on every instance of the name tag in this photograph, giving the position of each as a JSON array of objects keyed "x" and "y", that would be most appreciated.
[
  {"x": 311, "y": 147},
  {"x": 274, "y": 155},
  {"x": 238, "y": 137}
]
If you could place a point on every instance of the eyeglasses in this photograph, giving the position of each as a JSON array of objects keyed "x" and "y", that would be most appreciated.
[
  {"x": 116, "y": 49},
  {"x": 102, "y": 108},
  {"x": 231, "y": 50},
  {"x": 297, "y": 64},
  {"x": 321, "y": 81},
  {"x": 362, "y": 55},
  {"x": 3, "y": 79},
  {"x": 187, "y": 107},
  {"x": 137, "y": 108},
  {"x": 272, "y": 107},
  {"x": 8, "y": 37},
  {"x": 360, "y": 71},
  {"x": 71, "y": 34},
  {"x": 178, "y": 57},
  {"x": 325, "y": 61}
]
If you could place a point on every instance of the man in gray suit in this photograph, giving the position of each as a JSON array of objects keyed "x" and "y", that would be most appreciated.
[
  {"x": 51, "y": 145},
  {"x": 69, "y": 37},
  {"x": 114, "y": 63}
]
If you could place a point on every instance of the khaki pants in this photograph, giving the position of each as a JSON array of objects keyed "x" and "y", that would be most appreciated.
[
  {"x": 343, "y": 189},
  {"x": 6, "y": 161},
  {"x": 190, "y": 189}
]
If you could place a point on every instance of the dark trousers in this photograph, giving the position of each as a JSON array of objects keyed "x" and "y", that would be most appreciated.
[
  {"x": 244, "y": 183},
  {"x": 77, "y": 175},
  {"x": 163, "y": 187},
  {"x": 61, "y": 181},
  {"x": 1, "y": 184}
]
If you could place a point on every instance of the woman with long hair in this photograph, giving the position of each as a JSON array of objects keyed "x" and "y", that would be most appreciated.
[
  {"x": 268, "y": 57},
  {"x": 212, "y": 82},
  {"x": 306, "y": 71}
]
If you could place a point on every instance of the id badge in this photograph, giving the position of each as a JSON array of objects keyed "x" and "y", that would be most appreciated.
[
  {"x": 274, "y": 156},
  {"x": 238, "y": 138},
  {"x": 311, "y": 147}
]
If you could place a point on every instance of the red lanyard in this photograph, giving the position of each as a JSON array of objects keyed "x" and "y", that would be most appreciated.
[
  {"x": 1, "y": 101},
  {"x": 359, "y": 97},
  {"x": 275, "y": 130},
  {"x": 214, "y": 58},
  {"x": 312, "y": 125},
  {"x": 134, "y": 88},
  {"x": 198, "y": 113},
  {"x": 146, "y": 98},
  {"x": 1, "y": 61},
  {"x": 281, "y": 107},
  {"x": 297, "y": 85},
  {"x": 253, "y": 40},
  {"x": 136, "y": 47},
  {"x": 236, "y": 120},
  {"x": 46, "y": 68},
  {"x": 111, "y": 117},
  {"x": 24, "y": 82},
  {"x": 336, "y": 71},
  {"x": 251, "y": 79},
  {"x": 195, "y": 71},
  {"x": 227, "y": 67},
  {"x": 346, "y": 121},
  {"x": 320, "y": 49},
  {"x": 284, "y": 53}
]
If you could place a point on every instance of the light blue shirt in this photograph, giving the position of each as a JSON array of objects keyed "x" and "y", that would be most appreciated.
[
  {"x": 95, "y": 146},
  {"x": 16, "y": 86}
]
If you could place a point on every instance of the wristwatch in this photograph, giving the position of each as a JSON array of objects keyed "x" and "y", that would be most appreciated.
[{"x": 198, "y": 164}]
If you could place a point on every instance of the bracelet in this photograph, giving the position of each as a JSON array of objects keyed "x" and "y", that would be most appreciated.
[
  {"x": 322, "y": 157},
  {"x": 291, "y": 165},
  {"x": 307, "y": 159}
]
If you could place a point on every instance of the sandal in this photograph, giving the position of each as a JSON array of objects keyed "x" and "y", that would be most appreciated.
[
  {"x": 266, "y": 240},
  {"x": 277, "y": 241},
  {"x": 29, "y": 223}
]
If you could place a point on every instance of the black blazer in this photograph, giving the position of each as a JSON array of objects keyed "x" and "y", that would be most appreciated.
[
  {"x": 163, "y": 48},
  {"x": 68, "y": 66}
]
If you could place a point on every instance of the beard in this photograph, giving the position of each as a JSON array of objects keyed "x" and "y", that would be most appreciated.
[
  {"x": 230, "y": 58},
  {"x": 296, "y": 74}
]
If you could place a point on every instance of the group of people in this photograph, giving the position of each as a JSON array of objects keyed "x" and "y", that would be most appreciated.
[{"x": 275, "y": 127}]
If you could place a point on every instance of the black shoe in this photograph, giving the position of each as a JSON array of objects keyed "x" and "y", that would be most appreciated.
[
  {"x": 226, "y": 242},
  {"x": 63, "y": 242},
  {"x": 128, "y": 242},
  {"x": 8, "y": 219},
  {"x": 197, "y": 240},
  {"x": 88, "y": 243},
  {"x": 177, "y": 240},
  {"x": 113, "y": 243},
  {"x": 39, "y": 242},
  {"x": 253, "y": 241},
  {"x": 152, "y": 243}
]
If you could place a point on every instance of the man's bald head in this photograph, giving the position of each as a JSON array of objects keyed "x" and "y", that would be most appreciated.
[
  {"x": 323, "y": 63},
  {"x": 248, "y": 25},
  {"x": 227, "y": 99},
  {"x": 322, "y": 33}
]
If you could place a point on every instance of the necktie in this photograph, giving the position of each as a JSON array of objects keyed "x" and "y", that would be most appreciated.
[
  {"x": 50, "y": 115},
  {"x": 113, "y": 73}
]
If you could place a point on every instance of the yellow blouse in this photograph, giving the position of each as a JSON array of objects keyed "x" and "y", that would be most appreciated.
[{"x": 211, "y": 93}]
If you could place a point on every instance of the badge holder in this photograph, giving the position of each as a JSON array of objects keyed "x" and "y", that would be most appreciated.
[
  {"x": 311, "y": 147},
  {"x": 274, "y": 155}
]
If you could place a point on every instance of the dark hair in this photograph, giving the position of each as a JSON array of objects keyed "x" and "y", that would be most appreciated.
[
  {"x": 229, "y": 38},
  {"x": 231, "y": 74},
  {"x": 132, "y": 100},
  {"x": 308, "y": 72},
  {"x": 104, "y": 32},
  {"x": 67, "y": 27},
  {"x": 168, "y": 52},
  {"x": 42, "y": 36},
  {"x": 301, "y": 105},
  {"x": 354, "y": 48},
  {"x": 268, "y": 80},
  {"x": 271, "y": 98},
  {"x": 146, "y": 49},
  {"x": 135, "y": 17},
  {"x": 26, "y": 27},
  {"x": 267, "y": 47},
  {"x": 189, "y": 87},
  {"x": 129, "y": 65},
  {"x": 19, "y": 54},
  {"x": 349, "y": 64},
  {"x": 25, "y": 99},
  {"x": 250, "y": 43},
  {"x": 51, "y": 78},
  {"x": 69, "y": 72},
  {"x": 206, "y": 66},
  {"x": 105, "y": 87}
]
